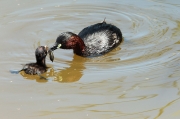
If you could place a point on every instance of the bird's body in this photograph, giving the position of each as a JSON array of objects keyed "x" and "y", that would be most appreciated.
[
  {"x": 40, "y": 66},
  {"x": 34, "y": 68},
  {"x": 95, "y": 40},
  {"x": 100, "y": 38}
]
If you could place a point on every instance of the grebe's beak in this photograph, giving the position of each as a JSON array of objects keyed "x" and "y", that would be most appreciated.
[
  {"x": 55, "y": 46},
  {"x": 46, "y": 48}
]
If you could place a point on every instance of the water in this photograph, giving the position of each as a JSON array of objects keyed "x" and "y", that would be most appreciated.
[{"x": 137, "y": 80}]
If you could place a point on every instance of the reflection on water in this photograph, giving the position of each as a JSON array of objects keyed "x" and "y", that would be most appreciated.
[
  {"x": 72, "y": 73},
  {"x": 32, "y": 77},
  {"x": 137, "y": 80}
]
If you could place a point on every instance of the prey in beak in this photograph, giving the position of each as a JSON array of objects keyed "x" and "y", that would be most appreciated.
[
  {"x": 50, "y": 51},
  {"x": 51, "y": 55}
]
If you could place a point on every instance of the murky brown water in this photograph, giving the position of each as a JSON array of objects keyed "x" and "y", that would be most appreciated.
[{"x": 137, "y": 80}]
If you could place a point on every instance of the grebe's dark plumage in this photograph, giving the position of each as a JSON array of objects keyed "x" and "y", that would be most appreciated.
[
  {"x": 94, "y": 40},
  {"x": 40, "y": 66}
]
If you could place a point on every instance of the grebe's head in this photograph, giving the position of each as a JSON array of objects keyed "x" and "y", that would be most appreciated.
[
  {"x": 41, "y": 53},
  {"x": 66, "y": 40}
]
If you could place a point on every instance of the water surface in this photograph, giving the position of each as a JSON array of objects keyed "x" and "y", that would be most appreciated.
[{"x": 137, "y": 80}]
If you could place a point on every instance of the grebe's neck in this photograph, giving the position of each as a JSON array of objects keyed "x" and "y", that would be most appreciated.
[
  {"x": 77, "y": 44},
  {"x": 41, "y": 62}
]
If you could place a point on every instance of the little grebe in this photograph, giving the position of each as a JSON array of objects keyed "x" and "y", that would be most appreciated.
[
  {"x": 40, "y": 66},
  {"x": 94, "y": 40}
]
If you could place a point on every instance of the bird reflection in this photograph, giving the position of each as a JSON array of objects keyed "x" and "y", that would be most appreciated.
[{"x": 70, "y": 74}]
